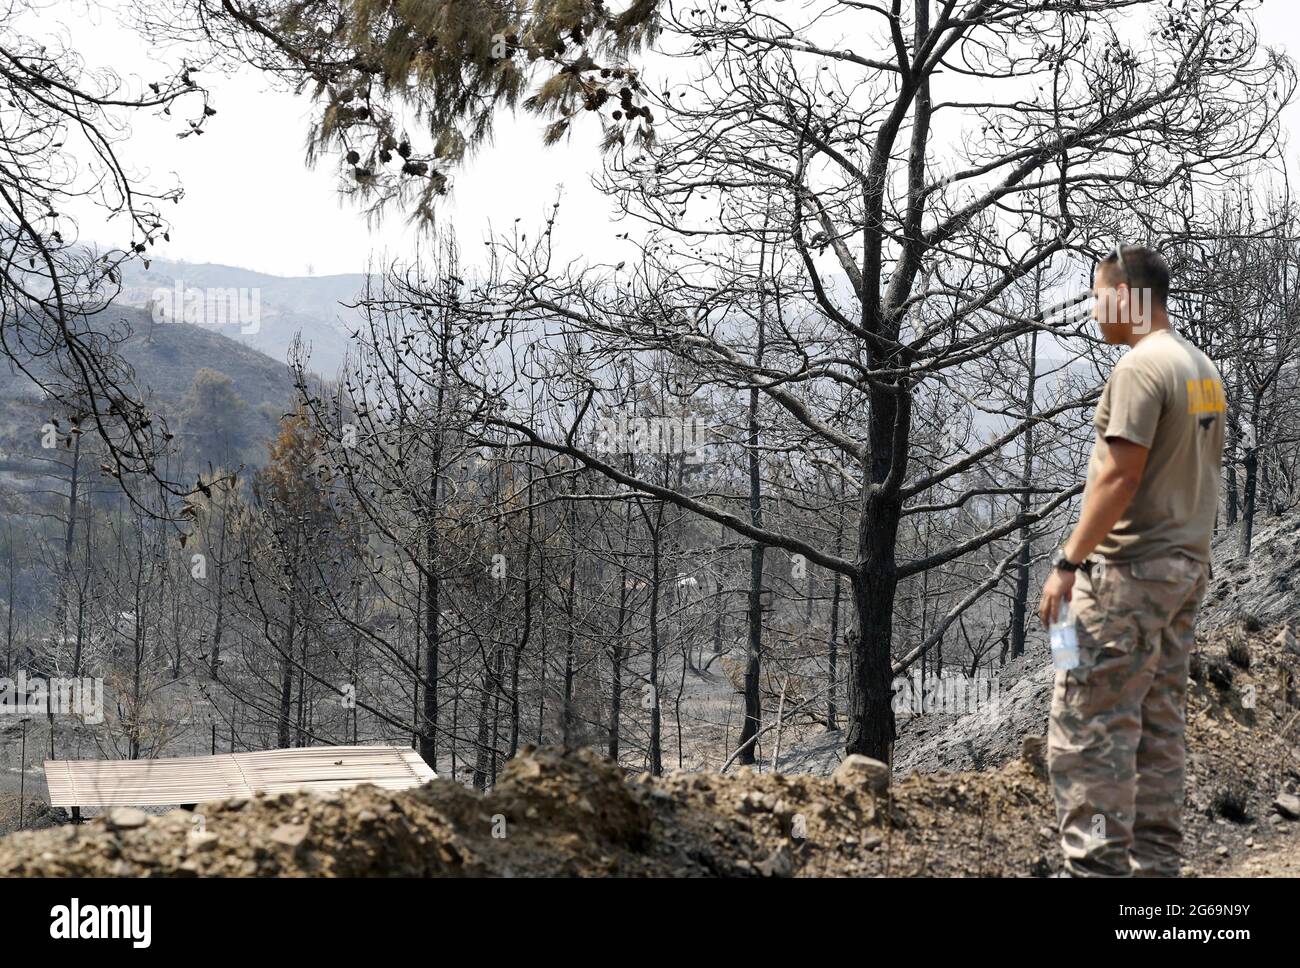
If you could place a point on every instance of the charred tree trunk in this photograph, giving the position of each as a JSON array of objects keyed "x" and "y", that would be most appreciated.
[
  {"x": 1020, "y": 596},
  {"x": 286, "y": 674},
  {"x": 518, "y": 657},
  {"x": 753, "y": 661},
  {"x": 432, "y": 626},
  {"x": 616, "y": 668},
  {"x": 74, "y": 476},
  {"x": 833, "y": 672},
  {"x": 10, "y": 627},
  {"x": 875, "y": 584},
  {"x": 496, "y": 711},
  {"x": 656, "y": 733},
  {"x": 870, "y": 714},
  {"x": 1248, "y": 501},
  {"x": 569, "y": 638},
  {"x": 483, "y": 765},
  {"x": 870, "y": 696},
  {"x": 1231, "y": 488},
  {"x": 753, "y": 656},
  {"x": 218, "y": 624}
]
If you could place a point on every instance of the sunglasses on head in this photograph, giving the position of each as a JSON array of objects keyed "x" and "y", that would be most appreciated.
[{"x": 1118, "y": 254}]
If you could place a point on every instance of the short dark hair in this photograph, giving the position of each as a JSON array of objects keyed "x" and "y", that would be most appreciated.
[{"x": 1144, "y": 268}]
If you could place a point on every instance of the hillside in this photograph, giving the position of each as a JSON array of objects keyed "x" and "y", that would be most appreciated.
[
  {"x": 165, "y": 359},
  {"x": 1253, "y": 592}
]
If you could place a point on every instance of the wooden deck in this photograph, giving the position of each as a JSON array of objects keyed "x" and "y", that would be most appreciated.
[{"x": 197, "y": 779}]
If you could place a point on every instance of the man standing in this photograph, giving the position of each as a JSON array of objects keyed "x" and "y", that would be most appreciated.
[{"x": 1134, "y": 572}]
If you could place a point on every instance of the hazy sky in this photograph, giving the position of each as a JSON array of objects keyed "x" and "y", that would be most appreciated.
[{"x": 251, "y": 201}]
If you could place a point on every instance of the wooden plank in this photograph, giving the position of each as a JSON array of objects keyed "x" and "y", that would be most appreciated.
[{"x": 196, "y": 779}]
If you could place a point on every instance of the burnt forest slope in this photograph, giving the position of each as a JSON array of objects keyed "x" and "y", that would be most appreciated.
[{"x": 575, "y": 813}]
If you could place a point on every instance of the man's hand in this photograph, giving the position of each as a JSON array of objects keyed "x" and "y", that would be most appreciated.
[{"x": 1057, "y": 589}]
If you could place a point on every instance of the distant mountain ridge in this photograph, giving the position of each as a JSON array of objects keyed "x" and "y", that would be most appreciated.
[{"x": 312, "y": 307}]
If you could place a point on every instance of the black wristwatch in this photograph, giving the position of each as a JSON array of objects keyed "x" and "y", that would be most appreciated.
[{"x": 1064, "y": 563}]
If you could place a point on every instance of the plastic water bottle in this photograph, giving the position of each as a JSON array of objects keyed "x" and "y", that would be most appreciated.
[{"x": 1065, "y": 640}]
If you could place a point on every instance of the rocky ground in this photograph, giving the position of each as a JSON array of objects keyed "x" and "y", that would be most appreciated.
[
  {"x": 556, "y": 812},
  {"x": 36, "y": 814},
  {"x": 1264, "y": 585}
]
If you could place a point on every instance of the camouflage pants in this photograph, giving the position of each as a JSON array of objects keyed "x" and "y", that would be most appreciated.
[{"x": 1115, "y": 744}]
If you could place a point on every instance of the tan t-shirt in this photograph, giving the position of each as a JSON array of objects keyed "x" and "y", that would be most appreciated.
[{"x": 1166, "y": 395}]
